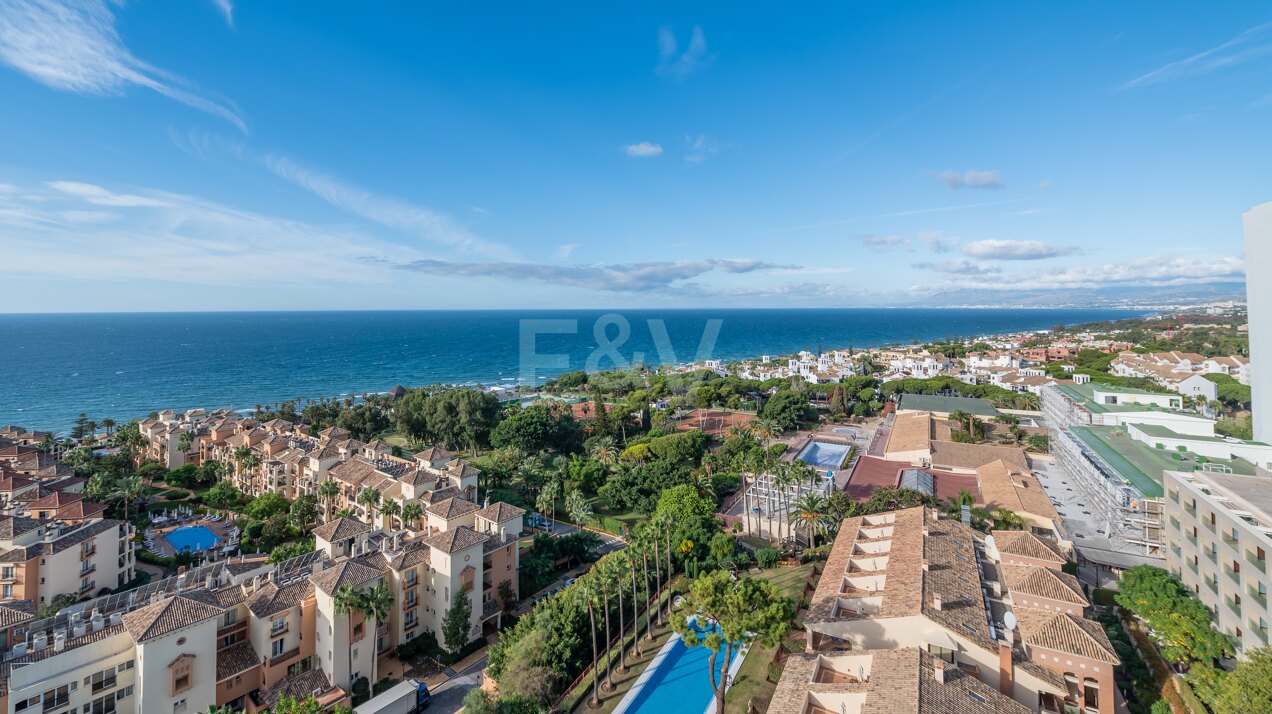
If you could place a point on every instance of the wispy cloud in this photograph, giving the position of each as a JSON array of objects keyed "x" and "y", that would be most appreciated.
[
  {"x": 894, "y": 214},
  {"x": 1251, "y": 44},
  {"x": 884, "y": 243},
  {"x": 1150, "y": 271},
  {"x": 643, "y": 150},
  {"x": 565, "y": 251},
  {"x": 621, "y": 278},
  {"x": 73, "y": 46},
  {"x": 938, "y": 242},
  {"x": 58, "y": 230},
  {"x": 227, "y": 9},
  {"x": 698, "y": 148},
  {"x": 959, "y": 266},
  {"x": 970, "y": 179},
  {"x": 676, "y": 64},
  {"x": 1015, "y": 250}
]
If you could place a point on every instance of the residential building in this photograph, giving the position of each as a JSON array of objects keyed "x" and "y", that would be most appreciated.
[
  {"x": 998, "y": 609},
  {"x": 1219, "y": 536},
  {"x": 1258, "y": 256}
]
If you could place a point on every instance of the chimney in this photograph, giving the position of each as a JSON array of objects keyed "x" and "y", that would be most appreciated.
[
  {"x": 938, "y": 670},
  {"x": 936, "y": 601},
  {"x": 1005, "y": 665}
]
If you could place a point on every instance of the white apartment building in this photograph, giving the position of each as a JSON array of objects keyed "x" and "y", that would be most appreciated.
[
  {"x": 1258, "y": 261},
  {"x": 42, "y": 558},
  {"x": 1219, "y": 534}
]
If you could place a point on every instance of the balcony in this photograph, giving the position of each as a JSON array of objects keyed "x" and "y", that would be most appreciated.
[
  {"x": 1192, "y": 538},
  {"x": 1213, "y": 555},
  {"x": 90, "y": 567},
  {"x": 1212, "y": 584},
  {"x": 1236, "y": 576},
  {"x": 1260, "y": 563},
  {"x": 280, "y": 631},
  {"x": 1175, "y": 549},
  {"x": 104, "y": 685},
  {"x": 282, "y": 658},
  {"x": 1261, "y": 598},
  {"x": 1231, "y": 541},
  {"x": 231, "y": 629},
  {"x": 87, "y": 587},
  {"x": 1192, "y": 566},
  {"x": 1209, "y": 524},
  {"x": 1191, "y": 509},
  {"x": 1233, "y": 605},
  {"x": 86, "y": 553},
  {"x": 1174, "y": 496},
  {"x": 1262, "y": 632},
  {"x": 1174, "y": 523}
]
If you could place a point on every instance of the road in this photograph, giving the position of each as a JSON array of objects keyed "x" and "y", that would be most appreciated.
[
  {"x": 448, "y": 698},
  {"x": 609, "y": 543}
]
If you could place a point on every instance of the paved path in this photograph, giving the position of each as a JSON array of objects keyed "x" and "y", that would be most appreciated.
[{"x": 448, "y": 698}]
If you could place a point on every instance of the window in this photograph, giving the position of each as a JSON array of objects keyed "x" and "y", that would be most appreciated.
[
  {"x": 276, "y": 648},
  {"x": 977, "y": 696},
  {"x": 178, "y": 706},
  {"x": 56, "y": 698},
  {"x": 182, "y": 683},
  {"x": 102, "y": 705},
  {"x": 231, "y": 617},
  {"x": 1091, "y": 693},
  {"x": 410, "y": 619},
  {"x": 277, "y": 626},
  {"x": 103, "y": 680},
  {"x": 8, "y": 592},
  {"x": 410, "y": 597},
  {"x": 941, "y": 653}
]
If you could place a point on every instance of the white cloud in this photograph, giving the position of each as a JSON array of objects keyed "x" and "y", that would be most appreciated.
[
  {"x": 698, "y": 148},
  {"x": 888, "y": 242},
  {"x": 678, "y": 65},
  {"x": 1248, "y": 45},
  {"x": 73, "y": 46},
  {"x": 565, "y": 251},
  {"x": 388, "y": 211},
  {"x": 959, "y": 266},
  {"x": 55, "y": 233},
  {"x": 938, "y": 242},
  {"x": 101, "y": 197},
  {"x": 624, "y": 278},
  {"x": 971, "y": 179},
  {"x": 643, "y": 149},
  {"x": 1015, "y": 250},
  {"x": 1151, "y": 271},
  {"x": 227, "y": 9}
]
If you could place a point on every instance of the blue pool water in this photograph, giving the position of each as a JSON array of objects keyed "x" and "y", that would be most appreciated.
[
  {"x": 680, "y": 683},
  {"x": 192, "y": 538},
  {"x": 823, "y": 455}
]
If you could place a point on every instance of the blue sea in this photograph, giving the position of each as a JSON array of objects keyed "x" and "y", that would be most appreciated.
[{"x": 124, "y": 366}]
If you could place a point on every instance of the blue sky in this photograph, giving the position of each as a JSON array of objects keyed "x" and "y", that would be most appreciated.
[{"x": 214, "y": 154}]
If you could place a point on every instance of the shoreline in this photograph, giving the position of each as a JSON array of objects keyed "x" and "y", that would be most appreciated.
[{"x": 516, "y": 381}]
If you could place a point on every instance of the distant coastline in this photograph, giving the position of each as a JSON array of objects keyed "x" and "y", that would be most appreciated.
[{"x": 125, "y": 365}]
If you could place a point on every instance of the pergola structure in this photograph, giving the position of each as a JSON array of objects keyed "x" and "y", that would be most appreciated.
[{"x": 765, "y": 504}]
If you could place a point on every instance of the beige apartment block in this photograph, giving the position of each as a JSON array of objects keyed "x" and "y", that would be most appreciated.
[{"x": 1219, "y": 534}]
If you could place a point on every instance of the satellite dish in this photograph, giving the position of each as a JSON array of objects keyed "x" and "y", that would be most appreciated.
[
  {"x": 989, "y": 541},
  {"x": 1010, "y": 620}
]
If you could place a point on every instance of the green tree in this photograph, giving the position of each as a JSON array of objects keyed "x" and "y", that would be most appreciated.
[
  {"x": 809, "y": 512},
  {"x": 457, "y": 623},
  {"x": 788, "y": 409},
  {"x": 577, "y": 506},
  {"x": 683, "y": 502},
  {"x": 223, "y": 495},
  {"x": 328, "y": 491},
  {"x": 391, "y": 510},
  {"x": 1248, "y": 688},
  {"x": 722, "y": 547},
  {"x": 370, "y": 499},
  {"x": 747, "y": 611},
  {"x": 411, "y": 514},
  {"x": 1181, "y": 623}
]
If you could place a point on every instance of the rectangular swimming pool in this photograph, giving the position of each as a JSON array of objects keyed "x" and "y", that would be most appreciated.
[
  {"x": 824, "y": 455},
  {"x": 678, "y": 682}
]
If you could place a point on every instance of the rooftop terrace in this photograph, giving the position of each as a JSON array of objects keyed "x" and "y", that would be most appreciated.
[{"x": 1141, "y": 465}]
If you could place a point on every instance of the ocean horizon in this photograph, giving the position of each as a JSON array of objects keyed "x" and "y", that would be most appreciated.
[{"x": 126, "y": 365}]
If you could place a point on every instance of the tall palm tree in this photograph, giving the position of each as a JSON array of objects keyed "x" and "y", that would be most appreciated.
[
  {"x": 370, "y": 498},
  {"x": 783, "y": 479},
  {"x": 617, "y": 569},
  {"x": 631, "y": 566},
  {"x": 347, "y": 601},
  {"x": 809, "y": 511},
  {"x": 577, "y": 506},
  {"x": 665, "y": 525},
  {"x": 531, "y": 471},
  {"x": 378, "y": 601},
  {"x": 765, "y": 430},
  {"x": 649, "y": 546},
  {"x": 109, "y": 426},
  {"x": 603, "y": 573},
  {"x": 412, "y": 513},
  {"x": 390, "y": 510},
  {"x": 591, "y": 593},
  {"x": 546, "y": 502},
  {"x": 327, "y": 491}
]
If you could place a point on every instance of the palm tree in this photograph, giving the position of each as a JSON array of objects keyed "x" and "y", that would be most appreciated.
[
  {"x": 809, "y": 510},
  {"x": 370, "y": 498},
  {"x": 412, "y": 513},
  {"x": 126, "y": 490},
  {"x": 617, "y": 565},
  {"x": 664, "y": 524},
  {"x": 602, "y": 572},
  {"x": 214, "y": 709},
  {"x": 649, "y": 545},
  {"x": 327, "y": 491},
  {"x": 604, "y": 451},
  {"x": 963, "y": 419},
  {"x": 631, "y": 566},
  {"x": 531, "y": 470},
  {"x": 964, "y": 498},
  {"x": 591, "y": 593},
  {"x": 578, "y": 507},
  {"x": 546, "y": 502},
  {"x": 389, "y": 510},
  {"x": 109, "y": 426},
  {"x": 783, "y": 479},
  {"x": 378, "y": 602},
  {"x": 347, "y": 601},
  {"x": 765, "y": 430}
]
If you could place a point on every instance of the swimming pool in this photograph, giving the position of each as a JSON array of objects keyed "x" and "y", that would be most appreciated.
[
  {"x": 824, "y": 455},
  {"x": 192, "y": 538},
  {"x": 676, "y": 681}
]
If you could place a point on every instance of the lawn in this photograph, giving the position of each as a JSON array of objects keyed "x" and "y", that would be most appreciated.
[{"x": 752, "y": 681}]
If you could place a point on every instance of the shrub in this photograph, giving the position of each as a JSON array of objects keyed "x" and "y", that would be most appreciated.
[
  {"x": 361, "y": 690},
  {"x": 775, "y": 672},
  {"x": 766, "y": 557}
]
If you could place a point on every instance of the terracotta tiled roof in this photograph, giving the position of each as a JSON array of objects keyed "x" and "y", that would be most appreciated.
[
  {"x": 299, "y": 686},
  {"x": 452, "y": 508},
  {"x": 14, "y": 526},
  {"x": 271, "y": 599},
  {"x": 15, "y": 612},
  {"x": 951, "y": 454},
  {"x": 1065, "y": 633},
  {"x": 340, "y": 529},
  {"x": 349, "y": 572},
  {"x": 167, "y": 615},
  {"x": 499, "y": 512},
  {"x": 1028, "y": 545},
  {"x": 1044, "y": 582},
  {"x": 456, "y": 539},
  {"x": 236, "y": 659},
  {"x": 413, "y": 554},
  {"x": 79, "y": 510}
]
